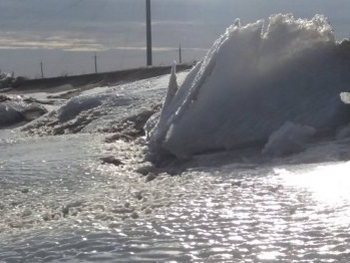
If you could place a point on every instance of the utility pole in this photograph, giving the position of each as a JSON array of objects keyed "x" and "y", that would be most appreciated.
[
  {"x": 95, "y": 58},
  {"x": 180, "y": 54},
  {"x": 42, "y": 70},
  {"x": 149, "y": 32}
]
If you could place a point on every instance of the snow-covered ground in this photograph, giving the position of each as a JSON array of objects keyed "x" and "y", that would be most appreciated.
[{"x": 285, "y": 201}]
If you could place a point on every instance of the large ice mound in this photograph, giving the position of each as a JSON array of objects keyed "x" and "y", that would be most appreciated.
[{"x": 252, "y": 81}]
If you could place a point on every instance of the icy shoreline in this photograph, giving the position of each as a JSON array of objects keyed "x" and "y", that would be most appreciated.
[
  {"x": 89, "y": 195},
  {"x": 274, "y": 89}
]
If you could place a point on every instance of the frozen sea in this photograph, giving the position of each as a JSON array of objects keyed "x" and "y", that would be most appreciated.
[
  {"x": 286, "y": 202},
  {"x": 58, "y": 203}
]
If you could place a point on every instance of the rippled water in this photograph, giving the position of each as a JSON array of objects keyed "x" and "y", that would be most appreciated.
[{"x": 59, "y": 204}]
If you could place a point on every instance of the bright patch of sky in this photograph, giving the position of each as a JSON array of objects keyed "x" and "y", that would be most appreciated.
[{"x": 64, "y": 34}]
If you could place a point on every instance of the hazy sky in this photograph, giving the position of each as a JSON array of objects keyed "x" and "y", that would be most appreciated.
[{"x": 64, "y": 34}]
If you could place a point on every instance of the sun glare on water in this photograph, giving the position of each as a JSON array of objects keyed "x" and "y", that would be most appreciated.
[{"x": 328, "y": 184}]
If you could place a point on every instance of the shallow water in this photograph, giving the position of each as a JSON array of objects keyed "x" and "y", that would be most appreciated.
[{"x": 59, "y": 204}]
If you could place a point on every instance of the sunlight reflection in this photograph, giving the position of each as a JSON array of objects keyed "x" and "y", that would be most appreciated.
[
  {"x": 269, "y": 255},
  {"x": 328, "y": 184}
]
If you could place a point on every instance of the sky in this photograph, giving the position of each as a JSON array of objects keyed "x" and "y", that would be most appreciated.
[{"x": 65, "y": 34}]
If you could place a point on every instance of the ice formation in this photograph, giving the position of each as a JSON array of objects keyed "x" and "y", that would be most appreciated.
[
  {"x": 6, "y": 80},
  {"x": 78, "y": 104},
  {"x": 121, "y": 109},
  {"x": 345, "y": 97},
  {"x": 14, "y": 110},
  {"x": 252, "y": 81},
  {"x": 288, "y": 139}
]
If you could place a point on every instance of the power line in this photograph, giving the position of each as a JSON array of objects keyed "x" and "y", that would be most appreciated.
[
  {"x": 42, "y": 70},
  {"x": 149, "y": 32},
  {"x": 95, "y": 58},
  {"x": 180, "y": 54}
]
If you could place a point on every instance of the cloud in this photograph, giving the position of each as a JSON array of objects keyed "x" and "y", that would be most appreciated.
[
  {"x": 14, "y": 40},
  {"x": 64, "y": 42}
]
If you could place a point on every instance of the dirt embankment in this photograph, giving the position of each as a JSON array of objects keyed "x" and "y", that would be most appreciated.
[{"x": 94, "y": 80}]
